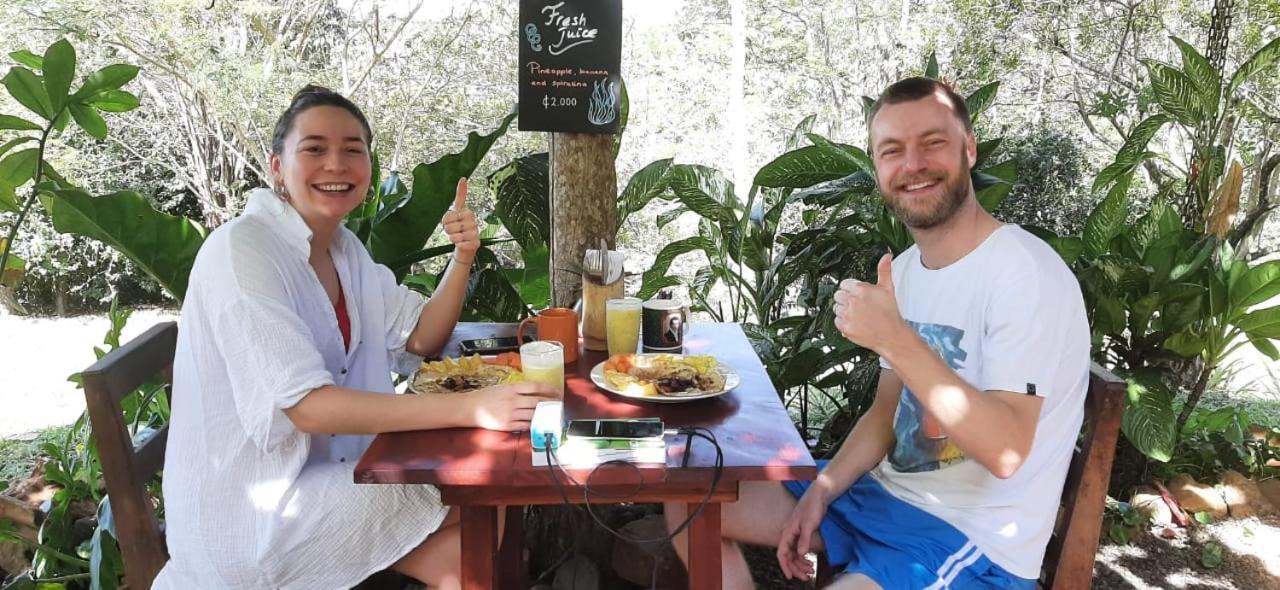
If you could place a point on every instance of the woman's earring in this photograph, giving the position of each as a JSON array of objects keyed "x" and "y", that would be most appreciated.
[{"x": 281, "y": 191}]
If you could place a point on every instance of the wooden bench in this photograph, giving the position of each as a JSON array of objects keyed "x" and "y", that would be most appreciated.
[
  {"x": 127, "y": 469},
  {"x": 1068, "y": 560}
]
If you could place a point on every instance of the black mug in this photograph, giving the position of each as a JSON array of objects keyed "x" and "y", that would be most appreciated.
[{"x": 665, "y": 322}]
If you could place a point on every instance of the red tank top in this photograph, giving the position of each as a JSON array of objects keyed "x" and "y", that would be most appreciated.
[{"x": 344, "y": 320}]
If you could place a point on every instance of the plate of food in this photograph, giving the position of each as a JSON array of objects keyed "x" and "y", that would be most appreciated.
[
  {"x": 664, "y": 378},
  {"x": 463, "y": 374}
]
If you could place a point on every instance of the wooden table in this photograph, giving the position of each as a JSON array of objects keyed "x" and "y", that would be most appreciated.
[{"x": 480, "y": 470}]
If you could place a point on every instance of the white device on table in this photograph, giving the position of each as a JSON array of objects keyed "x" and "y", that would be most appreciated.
[{"x": 548, "y": 419}]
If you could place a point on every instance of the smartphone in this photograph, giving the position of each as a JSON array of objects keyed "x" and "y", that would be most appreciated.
[
  {"x": 489, "y": 345},
  {"x": 621, "y": 428}
]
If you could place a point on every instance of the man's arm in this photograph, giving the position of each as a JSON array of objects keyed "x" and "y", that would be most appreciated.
[
  {"x": 869, "y": 441},
  {"x": 994, "y": 428}
]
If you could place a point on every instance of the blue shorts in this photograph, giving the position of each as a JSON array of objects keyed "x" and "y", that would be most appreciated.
[{"x": 870, "y": 532}]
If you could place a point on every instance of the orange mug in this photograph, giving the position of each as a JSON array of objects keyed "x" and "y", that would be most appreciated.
[{"x": 559, "y": 324}]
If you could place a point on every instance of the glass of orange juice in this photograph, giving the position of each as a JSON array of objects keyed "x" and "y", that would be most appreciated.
[
  {"x": 622, "y": 324},
  {"x": 543, "y": 361}
]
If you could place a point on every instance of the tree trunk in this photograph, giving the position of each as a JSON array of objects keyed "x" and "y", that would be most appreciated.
[
  {"x": 1193, "y": 398},
  {"x": 584, "y": 197}
]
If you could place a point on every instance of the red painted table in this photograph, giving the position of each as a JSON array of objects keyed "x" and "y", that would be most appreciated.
[{"x": 480, "y": 470}]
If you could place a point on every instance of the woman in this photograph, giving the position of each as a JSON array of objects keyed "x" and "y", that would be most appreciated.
[{"x": 288, "y": 336}]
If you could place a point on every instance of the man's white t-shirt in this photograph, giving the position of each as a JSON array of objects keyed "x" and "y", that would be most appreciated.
[{"x": 1008, "y": 316}]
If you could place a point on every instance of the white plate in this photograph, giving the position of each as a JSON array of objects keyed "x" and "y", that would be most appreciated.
[{"x": 731, "y": 380}]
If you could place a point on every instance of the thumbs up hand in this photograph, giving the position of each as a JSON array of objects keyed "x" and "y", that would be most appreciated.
[
  {"x": 460, "y": 225},
  {"x": 867, "y": 314}
]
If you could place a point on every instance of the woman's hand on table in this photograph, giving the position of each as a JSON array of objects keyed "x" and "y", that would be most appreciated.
[
  {"x": 507, "y": 407},
  {"x": 460, "y": 225}
]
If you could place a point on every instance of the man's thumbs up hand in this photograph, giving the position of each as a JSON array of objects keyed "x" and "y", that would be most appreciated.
[{"x": 867, "y": 314}]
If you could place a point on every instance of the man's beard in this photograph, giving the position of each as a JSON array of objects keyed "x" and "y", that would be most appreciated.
[{"x": 927, "y": 215}]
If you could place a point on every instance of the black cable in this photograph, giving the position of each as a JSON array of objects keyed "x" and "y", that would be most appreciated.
[{"x": 703, "y": 433}]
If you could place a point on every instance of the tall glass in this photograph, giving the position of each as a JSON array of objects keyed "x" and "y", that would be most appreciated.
[
  {"x": 543, "y": 361},
  {"x": 622, "y": 322}
]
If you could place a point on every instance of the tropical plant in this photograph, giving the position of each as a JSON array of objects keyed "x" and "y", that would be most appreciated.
[
  {"x": 42, "y": 84},
  {"x": 1169, "y": 287}
]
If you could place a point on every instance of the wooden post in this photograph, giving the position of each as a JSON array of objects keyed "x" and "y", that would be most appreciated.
[{"x": 584, "y": 197}]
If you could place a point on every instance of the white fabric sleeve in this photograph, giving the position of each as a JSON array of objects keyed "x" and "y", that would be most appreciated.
[
  {"x": 403, "y": 308},
  {"x": 272, "y": 363},
  {"x": 1022, "y": 336}
]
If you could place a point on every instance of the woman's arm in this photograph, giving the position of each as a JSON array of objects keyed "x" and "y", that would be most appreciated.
[
  {"x": 339, "y": 410},
  {"x": 430, "y": 336}
]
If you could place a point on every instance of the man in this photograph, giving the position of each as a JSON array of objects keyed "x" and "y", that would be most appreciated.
[{"x": 952, "y": 478}]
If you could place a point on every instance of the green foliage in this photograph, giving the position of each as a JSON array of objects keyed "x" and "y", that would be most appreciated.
[{"x": 48, "y": 95}]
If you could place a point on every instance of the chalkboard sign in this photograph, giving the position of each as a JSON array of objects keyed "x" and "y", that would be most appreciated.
[{"x": 570, "y": 56}]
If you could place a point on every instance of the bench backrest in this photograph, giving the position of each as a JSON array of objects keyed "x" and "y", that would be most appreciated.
[
  {"x": 126, "y": 468},
  {"x": 1068, "y": 560}
]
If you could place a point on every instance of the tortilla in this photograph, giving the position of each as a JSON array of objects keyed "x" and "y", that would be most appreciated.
[
  {"x": 665, "y": 375},
  {"x": 461, "y": 375}
]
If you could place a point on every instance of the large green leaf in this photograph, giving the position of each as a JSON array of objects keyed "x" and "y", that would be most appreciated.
[
  {"x": 8, "y": 199},
  {"x": 1260, "y": 60},
  {"x": 89, "y": 120},
  {"x": 1107, "y": 219},
  {"x": 806, "y": 167},
  {"x": 59, "y": 69},
  {"x": 704, "y": 191},
  {"x": 163, "y": 245},
  {"x": 111, "y": 77},
  {"x": 106, "y": 565},
  {"x": 986, "y": 149},
  {"x": 533, "y": 282},
  {"x": 645, "y": 185},
  {"x": 1266, "y": 347},
  {"x": 19, "y": 167},
  {"x": 113, "y": 101},
  {"x": 853, "y": 154},
  {"x": 1208, "y": 79},
  {"x": 993, "y": 183},
  {"x": 931, "y": 66},
  {"x": 1185, "y": 344},
  {"x": 658, "y": 271},
  {"x": 1149, "y": 419},
  {"x": 491, "y": 297},
  {"x": 1264, "y": 323},
  {"x": 1260, "y": 283},
  {"x": 521, "y": 200},
  {"x": 27, "y": 58},
  {"x": 1175, "y": 92},
  {"x": 26, "y": 88},
  {"x": 801, "y": 131},
  {"x": 14, "y": 268},
  {"x": 434, "y": 186},
  {"x": 17, "y": 123},
  {"x": 1133, "y": 152},
  {"x": 1193, "y": 259},
  {"x": 981, "y": 99}
]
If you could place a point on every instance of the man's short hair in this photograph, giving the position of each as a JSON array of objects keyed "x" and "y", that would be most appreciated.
[{"x": 916, "y": 88}]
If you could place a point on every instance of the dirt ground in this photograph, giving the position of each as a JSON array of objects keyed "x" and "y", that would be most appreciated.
[{"x": 1250, "y": 559}]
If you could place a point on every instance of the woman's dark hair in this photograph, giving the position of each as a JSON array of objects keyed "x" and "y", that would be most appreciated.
[{"x": 312, "y": 96}]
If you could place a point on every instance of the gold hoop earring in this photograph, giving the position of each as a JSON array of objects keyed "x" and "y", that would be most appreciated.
[{"x": 281, "y": 192}]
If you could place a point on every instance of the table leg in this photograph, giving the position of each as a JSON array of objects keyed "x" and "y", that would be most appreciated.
[
  {"x": 512, "y": 569},
  {"x": 479, "y": 546},
  {"x": 704, "y": 549}
]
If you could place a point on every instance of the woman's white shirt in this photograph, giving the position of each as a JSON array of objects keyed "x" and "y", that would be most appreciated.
[{"x": 250, "y": 500}]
